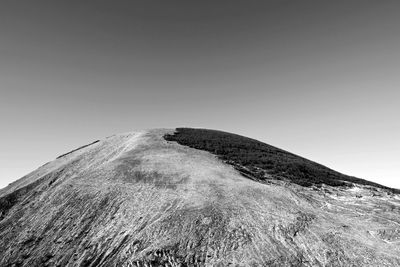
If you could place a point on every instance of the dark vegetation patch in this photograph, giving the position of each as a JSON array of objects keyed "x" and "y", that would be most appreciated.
[
  {"x": 79, "y": 148},
  {"x": 257, "y": 160},
  {"x": 168, "y": 256},
  {"x": 301, "y": 223},
  {"x": 159, "y": 180},
  {"x": 129, "y": 173}
]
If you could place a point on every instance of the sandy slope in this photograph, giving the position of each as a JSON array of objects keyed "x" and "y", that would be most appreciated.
[{"x": 135, "y": 200}]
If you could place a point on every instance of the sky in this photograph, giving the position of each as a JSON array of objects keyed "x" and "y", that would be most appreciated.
[{"x": 320, "y": 79}]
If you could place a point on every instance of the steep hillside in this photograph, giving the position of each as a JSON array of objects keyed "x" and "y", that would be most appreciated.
[{"x": 137, "y": 199}]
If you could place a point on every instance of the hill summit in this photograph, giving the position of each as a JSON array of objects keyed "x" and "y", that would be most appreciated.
[{"x": 195, "y": 197}]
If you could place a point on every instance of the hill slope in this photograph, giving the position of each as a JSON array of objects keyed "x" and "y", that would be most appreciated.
[
  {"x": 138, "y": 199},
  {"x": 261, "y": 161}
]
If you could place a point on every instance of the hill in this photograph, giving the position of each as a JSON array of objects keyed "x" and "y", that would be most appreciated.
[{"x": 190, "y": 197}]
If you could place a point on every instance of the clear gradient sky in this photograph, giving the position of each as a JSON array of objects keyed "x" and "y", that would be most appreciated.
[{"x": 320, "y": 79}]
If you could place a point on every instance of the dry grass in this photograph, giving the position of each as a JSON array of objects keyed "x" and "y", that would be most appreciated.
[{"x": 137, "y": 200}]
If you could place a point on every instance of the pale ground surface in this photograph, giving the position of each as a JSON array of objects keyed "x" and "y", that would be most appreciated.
[{"x": 135, "y": 199}]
